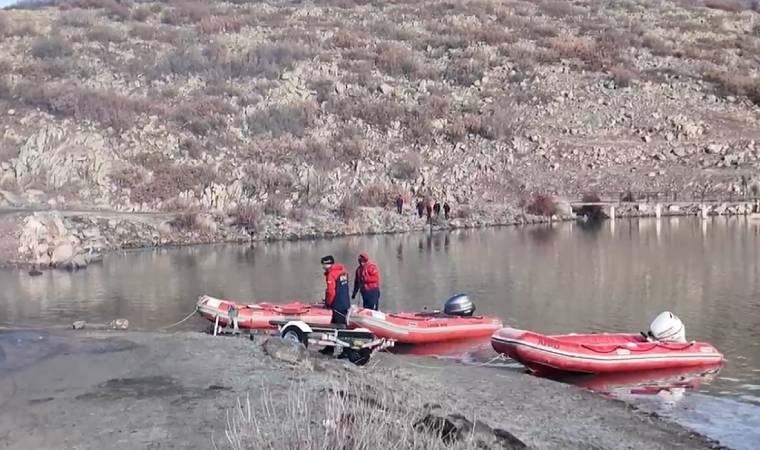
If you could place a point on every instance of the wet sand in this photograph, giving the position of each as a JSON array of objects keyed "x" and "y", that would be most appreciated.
[{"x": 97, "y": 389}]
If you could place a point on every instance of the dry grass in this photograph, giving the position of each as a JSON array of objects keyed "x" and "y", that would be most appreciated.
[
  {"x": 348, "y": 415},
  {"x": 293, "y": 119},
  {"x": 81, "y": 103},
  {"x": 540, "y": 205}
]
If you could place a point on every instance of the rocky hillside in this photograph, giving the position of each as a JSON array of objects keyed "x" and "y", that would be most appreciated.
[{"x": 283, "y": 118}]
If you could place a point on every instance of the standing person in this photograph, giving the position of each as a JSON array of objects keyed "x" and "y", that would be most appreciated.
[
  {"x": 446, "y": 210},
  {"x": 420, "y": 208},
  {"x": 336, "y": 293},
  {"x": 428, "y": 209},
  {"x": 367, "y": 280},
  {"x": 437, "y": 209},
  {"x": 399, "y": 204}
]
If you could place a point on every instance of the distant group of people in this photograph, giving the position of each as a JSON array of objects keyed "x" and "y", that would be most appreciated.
[
  {"x": 426, "y": 208},
  {"x": 429, "y": 209}
]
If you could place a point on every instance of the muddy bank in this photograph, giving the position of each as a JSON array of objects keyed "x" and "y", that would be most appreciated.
[{"x": 96, "y": 389}]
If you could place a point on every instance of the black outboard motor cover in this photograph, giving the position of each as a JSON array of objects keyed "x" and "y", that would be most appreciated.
[{"x": 459, "y": 305}]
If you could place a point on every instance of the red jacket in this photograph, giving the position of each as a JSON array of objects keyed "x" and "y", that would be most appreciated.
[
  {"x": 336, "y": 294},
  {"x": 367, "y": 276}
]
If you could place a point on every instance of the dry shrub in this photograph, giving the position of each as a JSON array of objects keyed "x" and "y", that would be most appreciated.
[
  {"x": 350, "y": 414},
  {"x": 112, "y": 8},
  {"x": 656, "y": 45},
  {"x": 378, "y": 195},
  {"x": 456, "y": 130},
  {"x": 185, "y": 221},
  {"x": 464, "y": 72},
  {"x": 407, "y": 167},
  {"x": 559, "y": 9},
  {"x": 464, "y": 211},
  {"x": 397, "y": 60},
  {"x": 223, "y": 24},
  {"x": 540, "y": 205},
  {"x": 280, "y": 120},
  {"x": 346, "y": 39},
  {"x": 381, "y": 113},
  {"x": 160, "y": 33},
  {"x": 203, "y": 115},
  {"x": 183, "y": 61},
  {"x": 731, "y": 83},
  {"x": 80, "y": 103},
  {"x": 349, "y": 207},
  {"x": 58, "y": 68},
  {"x": 498, "y": 124},
  {"x": 275, "y": 205},
  {"x": 50, "y": 47},
  {"x": 350, "y": 145},
  {"x": 262, "y": 178},
  {"x": 169, "y": 179},
  {"x": 268, "y": 60},
  {"x": 248, "y": 216},
  {"x": 141, "y": 14},
  {"x": 125, "y": 175},
  {"x": 186, "y": 12},
  {"x": 571, "y": 47},
  {"x": 105, "y": 34},
  {"x": 76, "y": 18},
  {"x": 622, "y": 76},
  {"x": 493, "y": 35}
]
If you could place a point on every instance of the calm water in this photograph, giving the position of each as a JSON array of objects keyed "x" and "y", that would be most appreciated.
[{"x": 615, "y": 277}]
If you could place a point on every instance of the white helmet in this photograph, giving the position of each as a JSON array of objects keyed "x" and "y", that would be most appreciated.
[{"x": 667, "y": 327}]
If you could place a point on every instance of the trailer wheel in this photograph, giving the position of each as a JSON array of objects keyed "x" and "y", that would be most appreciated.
[
  {"x": 359, "y": 357},
  {"x": 295, "y": 335}
]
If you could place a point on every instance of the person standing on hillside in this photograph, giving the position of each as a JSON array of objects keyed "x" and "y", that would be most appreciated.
[
  {"x": 446, "y": 210},
  {"x": 420, "y": 208},
  {"x": 437, "y": 209},
  {"x": 399, "y": 204},
  {"x": 367, "y": 280}
]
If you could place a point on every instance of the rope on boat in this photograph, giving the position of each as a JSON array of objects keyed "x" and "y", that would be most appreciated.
[
  {"x": 192, "y": 313},
  {"x": 499, "y": 357}
]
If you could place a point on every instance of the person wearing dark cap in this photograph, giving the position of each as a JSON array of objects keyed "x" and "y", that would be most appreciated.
[
  {"x": 367, "y": 280},
  {"x": 336, "y": 294}
]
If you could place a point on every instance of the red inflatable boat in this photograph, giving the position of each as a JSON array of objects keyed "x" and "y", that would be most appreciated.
[
  {"x": 599, "y": 353},
  {"x": 422, "y": 328},
  {"x": 258, "y": 316}
]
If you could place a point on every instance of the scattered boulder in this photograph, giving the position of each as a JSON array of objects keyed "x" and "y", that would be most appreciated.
[
  {"x": 454, "y": 428},
  {"x": 116, "y": 324},
  {"x": 283, "y": 350}
]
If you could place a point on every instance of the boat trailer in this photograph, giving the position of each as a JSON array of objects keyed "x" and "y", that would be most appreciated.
[{"x": 357, "y": 344}]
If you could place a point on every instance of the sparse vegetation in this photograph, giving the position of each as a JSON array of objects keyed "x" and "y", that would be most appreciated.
[
  {"x": 469, "y": 99},
  {"x": 540, "y": 205},
  {"x": 351, "y": 414},
  {"x": 52, "y": 47}
]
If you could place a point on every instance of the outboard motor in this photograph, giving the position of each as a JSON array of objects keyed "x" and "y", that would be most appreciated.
[
  {"x": 667, "y": 327},
  {"x": 459, "y": 305}
]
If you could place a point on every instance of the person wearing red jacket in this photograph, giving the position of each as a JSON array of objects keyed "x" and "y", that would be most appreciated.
[
  {"x": 336, "y": 292},
  {"x": 367, "y": 280}
]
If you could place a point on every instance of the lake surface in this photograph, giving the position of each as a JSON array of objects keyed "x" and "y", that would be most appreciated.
[{"x": 553, "y": 279}]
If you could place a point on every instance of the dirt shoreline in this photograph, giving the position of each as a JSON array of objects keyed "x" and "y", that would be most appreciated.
[{"x": 97, "y": 389}]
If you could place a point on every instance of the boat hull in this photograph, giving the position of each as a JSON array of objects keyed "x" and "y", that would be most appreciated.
[
  {"x": 421, "y": 328},
  {"x": 599, "y": 353},
  {"x": 259, "y": 315}
]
